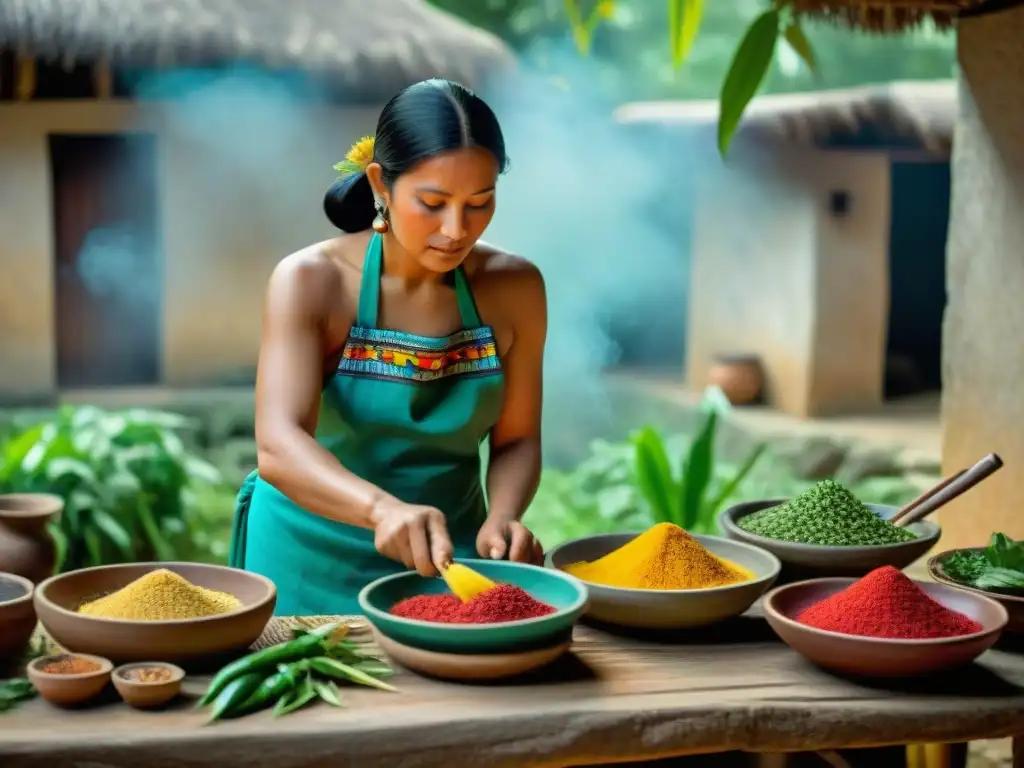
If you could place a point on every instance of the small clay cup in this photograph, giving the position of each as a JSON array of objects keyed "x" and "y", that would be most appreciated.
[
  {"x": 69, "y": 690},
  {"x": 17, "y": 616},
  {"x": 146, "y": 695}
]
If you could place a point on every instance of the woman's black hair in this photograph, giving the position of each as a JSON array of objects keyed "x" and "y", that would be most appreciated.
[{"x": 421, "y": 121}]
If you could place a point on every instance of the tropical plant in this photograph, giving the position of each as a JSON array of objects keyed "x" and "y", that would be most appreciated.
[
  {"x": 688, "y": 498},
  {"x": 750, "y": 62},
  {"x": 629, "y": 486},
  {"x": 125, "y": 477}
]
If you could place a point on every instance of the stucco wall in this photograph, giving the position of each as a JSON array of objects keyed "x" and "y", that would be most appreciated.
[
  {"x": 983, "y": 330},
  {"x": 774, "y": 274},
  {"x": 236, "y": 195}
]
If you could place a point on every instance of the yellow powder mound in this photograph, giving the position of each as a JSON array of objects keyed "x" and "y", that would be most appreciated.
[
  {"x": 158, "y": 596},
  {"x": 664, "y": 557}
]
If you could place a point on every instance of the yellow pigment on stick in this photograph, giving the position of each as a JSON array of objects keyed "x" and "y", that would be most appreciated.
[
  {"x": 161, "y": 595},
  {"x": 664, "y": 557}
]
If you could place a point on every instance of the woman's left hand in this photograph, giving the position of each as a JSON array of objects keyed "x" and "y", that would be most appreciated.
[{"x": 499, "y": 537}]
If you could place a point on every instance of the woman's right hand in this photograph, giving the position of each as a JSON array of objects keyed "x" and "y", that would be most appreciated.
[{"x": 412, "y": 534}]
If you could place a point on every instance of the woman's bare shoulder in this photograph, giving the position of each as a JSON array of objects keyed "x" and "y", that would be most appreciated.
[
  {"x": 317, "y": 273},
  {"x": 489, "y": 263}
]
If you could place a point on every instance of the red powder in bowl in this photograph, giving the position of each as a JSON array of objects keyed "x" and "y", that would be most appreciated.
[
  {"x": 504, "y": 602},
  {"x": 886, "y": 603}
]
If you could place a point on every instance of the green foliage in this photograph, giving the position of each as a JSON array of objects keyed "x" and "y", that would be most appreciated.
[
  {"x": 746, "y": 73},
  {"x": 126, "y": 479},
  {"x": 687, "y": 499},
  {"x": 632, "y": 485}
]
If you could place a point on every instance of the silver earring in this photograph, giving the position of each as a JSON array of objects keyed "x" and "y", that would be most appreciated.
[{"x": 380, "y": 221}]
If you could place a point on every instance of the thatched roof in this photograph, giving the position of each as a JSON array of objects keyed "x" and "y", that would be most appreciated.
[
  {"x": 370, "y": 48},
  {"x": 905, "y": 114},
  {"x": 885, "y": 15}
]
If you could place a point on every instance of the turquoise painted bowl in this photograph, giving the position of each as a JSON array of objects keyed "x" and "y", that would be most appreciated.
[{"x": 567, "y": 594}]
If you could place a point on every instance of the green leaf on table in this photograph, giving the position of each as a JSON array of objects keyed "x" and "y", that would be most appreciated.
[
  {"x": 684, "y": 18},
  {"x": 747, "y": 71},
  {"x": 798, "y": 41},
  {"x": 328, "y": 692}
]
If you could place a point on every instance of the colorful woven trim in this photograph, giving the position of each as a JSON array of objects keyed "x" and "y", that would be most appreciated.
[{"x": 387, "y": 354}]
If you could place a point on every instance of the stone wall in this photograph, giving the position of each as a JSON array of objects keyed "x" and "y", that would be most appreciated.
[{"x": 983, "y": 333}]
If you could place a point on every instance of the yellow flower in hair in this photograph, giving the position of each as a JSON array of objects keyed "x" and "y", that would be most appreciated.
[{"x": 358, "y": 158}]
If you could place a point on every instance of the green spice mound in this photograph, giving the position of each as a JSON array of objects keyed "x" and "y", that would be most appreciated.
[{"x": 828, "y": 515}]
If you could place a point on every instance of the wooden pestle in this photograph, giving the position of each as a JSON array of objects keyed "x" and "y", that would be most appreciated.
[{"x": 945, "y": 491}]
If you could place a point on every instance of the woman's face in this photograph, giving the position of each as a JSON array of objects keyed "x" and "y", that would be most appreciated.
[{"x": 439, "y": 209}]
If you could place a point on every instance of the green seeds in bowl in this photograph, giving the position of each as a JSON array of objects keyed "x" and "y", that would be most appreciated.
[{"x": 825, "y": 515}]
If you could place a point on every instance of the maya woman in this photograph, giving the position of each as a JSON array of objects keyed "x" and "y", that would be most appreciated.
[{"x": 388, "y": 355}]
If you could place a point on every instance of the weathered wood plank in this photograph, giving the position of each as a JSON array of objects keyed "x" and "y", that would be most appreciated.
[{"x": 615, "y": 699}]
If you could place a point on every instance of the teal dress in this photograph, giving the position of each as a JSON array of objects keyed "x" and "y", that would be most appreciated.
[{"x": 405, "y": 412}]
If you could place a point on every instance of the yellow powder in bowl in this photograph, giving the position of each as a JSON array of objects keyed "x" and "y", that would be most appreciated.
[
  {"x": 161, "y": 595},
  {"x": 663, "y": 557}
]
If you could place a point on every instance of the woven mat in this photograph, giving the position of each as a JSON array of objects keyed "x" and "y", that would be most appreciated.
[{"x": 279, "y": 630}]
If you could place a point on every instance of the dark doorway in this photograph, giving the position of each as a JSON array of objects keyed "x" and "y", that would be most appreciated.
[
  {"x": 917, "y": 276},
  {"x": 107, "y": 270}
]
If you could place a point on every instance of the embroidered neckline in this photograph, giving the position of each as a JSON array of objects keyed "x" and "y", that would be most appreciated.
[{"x": 382, "y": 353}]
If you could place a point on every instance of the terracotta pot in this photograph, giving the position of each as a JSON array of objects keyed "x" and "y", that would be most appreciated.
[
  {"x": 740, "y": 378},
  {"x": 26, "y": 548}
]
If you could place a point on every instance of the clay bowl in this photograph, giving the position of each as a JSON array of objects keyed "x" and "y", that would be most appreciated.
[
  {"x": 1014, "y": 604},
  {"x": 565, "y": 593},
  {"x": 69, "y": 690},
  {"x": 469, "y": 667},
  {"x": 669, "y": 608},
  {"x": 17, "y": 615},
  {"x": 881, "y": 657},
  {"x": 805, "y": 561},
  {"x": 185, "y": 640},
  {"x": 143, "y": 694}
]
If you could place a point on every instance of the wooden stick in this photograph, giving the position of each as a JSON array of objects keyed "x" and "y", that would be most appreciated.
[
  {"x": 909, "y": 507},
  {"x": 960, "y": 484}
]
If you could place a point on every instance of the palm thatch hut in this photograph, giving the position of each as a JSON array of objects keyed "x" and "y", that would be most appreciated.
[
  {"x": 820, "y": 247},
  {"x": 159, "y": 157}
]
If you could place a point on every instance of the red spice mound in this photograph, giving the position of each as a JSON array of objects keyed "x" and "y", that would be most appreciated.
[
  {"x": 504, "y": 602},
  {"x": 886, "y": 603}
]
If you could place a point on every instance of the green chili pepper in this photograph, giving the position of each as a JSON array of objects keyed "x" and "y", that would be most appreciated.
[
  {"x": 336, "y": 669},
  {"x": 234, "y": 693},
  {"x": 273, "y": 688},
  {"x": 304, "y": 694},
  {"x": 301, "y": 647}
]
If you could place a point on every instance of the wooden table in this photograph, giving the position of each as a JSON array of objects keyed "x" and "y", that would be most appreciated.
[{"x": 615, "y": 699}]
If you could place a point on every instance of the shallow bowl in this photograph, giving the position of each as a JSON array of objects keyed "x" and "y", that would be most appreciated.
[
  {"x": 143, "y": 694},
  {"x": 669, "y": 608},
  {"x": 804, "y": 561},
  {"x": 69, "y": 690},
  {"x": 1013, "y": 604},
  {"x": 881, "y": 657},
  {"x": 17, "y": 615},
  {"x": 58, "y": 598},
  {"x": 565, "y": 593},
  {"x": 470, "y": 666}
]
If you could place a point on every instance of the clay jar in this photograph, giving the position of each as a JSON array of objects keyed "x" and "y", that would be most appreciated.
[
  {"x": 739, "y": 377},
  {"x": 26, "y": 548}
]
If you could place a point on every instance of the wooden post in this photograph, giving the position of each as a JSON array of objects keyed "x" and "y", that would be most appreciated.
[
  {"x": 103, "y": 80},
  {"x": 24, "y": 77},
  {"x": 1018, "y": 751}
]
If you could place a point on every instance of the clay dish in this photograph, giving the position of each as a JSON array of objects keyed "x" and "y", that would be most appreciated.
[
  {"x": 144, "y": 694},
  {"x": 881, "y": 657},
  {"x": 469, "y": 666},
  {"x": 1014, "y": 604},
  {"x": 17, "y": 615},
  {"x": 58, "y": 598},
  {"x": 804, "y": 561},
  {"x": 670, "y": 608},
  {"x": 69, "y": 690},
  {"x": 25, "y": 546}
]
